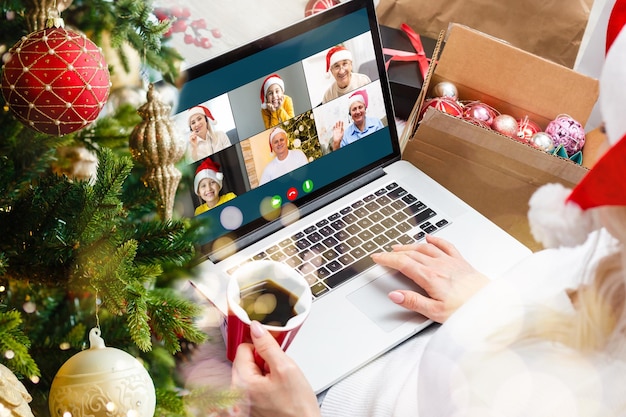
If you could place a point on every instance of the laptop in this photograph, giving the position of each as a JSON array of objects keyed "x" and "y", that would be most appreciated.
[{"x": 328, "y": 214}]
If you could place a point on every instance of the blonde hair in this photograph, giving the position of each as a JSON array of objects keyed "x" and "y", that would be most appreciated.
[{"x": 598, "y": 322}]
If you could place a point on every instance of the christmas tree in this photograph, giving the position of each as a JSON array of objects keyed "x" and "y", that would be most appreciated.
[{"x": 82, "y": 252}]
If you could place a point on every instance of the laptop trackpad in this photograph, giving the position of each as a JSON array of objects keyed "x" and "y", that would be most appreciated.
[{"x": 372, "y": 300}]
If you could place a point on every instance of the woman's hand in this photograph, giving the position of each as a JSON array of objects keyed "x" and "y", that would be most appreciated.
[
  {"x": 280, "y": 390},
  {"x": 275, "y": 103},
  {"x": 193, "y": 139},
  {"x": 437, "y": 267}
]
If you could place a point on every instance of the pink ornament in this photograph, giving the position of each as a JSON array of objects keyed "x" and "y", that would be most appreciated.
[
  {"x": 443, "y": 104},
  {"x": 527, "y": 128},
  {"x": 480, "y": 111},
  {"x": 567, "y": 132},
  {"x": 506, "y": 125},
  {"x": 55, "y": 81}
]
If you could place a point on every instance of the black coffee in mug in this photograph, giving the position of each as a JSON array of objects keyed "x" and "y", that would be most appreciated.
[{"x": 268, "y": 303}]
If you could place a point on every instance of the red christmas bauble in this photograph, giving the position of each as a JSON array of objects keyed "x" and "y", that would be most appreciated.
[
  {"x": 316, "y": 6},
  {"x": 505, "y": 124},
  {"x": 526, "y": 129},
  {"x": 443, "y": 104},
  {"x": 55, "y": 81}
]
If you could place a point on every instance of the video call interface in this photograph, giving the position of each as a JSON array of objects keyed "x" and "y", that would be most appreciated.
[{"x": 261, "y": 157}]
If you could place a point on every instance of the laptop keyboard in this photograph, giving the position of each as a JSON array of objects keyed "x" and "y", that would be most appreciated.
[{"x": 335, "y": 249}]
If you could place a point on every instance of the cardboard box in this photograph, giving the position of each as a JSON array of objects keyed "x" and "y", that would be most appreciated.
[
  {"x": 405, "y": 78},
  {"x": 493, "y": 173}
]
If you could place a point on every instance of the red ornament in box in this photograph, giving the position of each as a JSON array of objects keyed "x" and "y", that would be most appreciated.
[
  {"x": 443, "y": 104},
  {"x": 527, "y": 129},
  {"x": 55, "y": 81}
]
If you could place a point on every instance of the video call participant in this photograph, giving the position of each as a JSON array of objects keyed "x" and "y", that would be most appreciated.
[
  {"x": 204, "y": 141},
  {"x": 207, "y": 185},
  {"x": 276, "y": 107},
  {"x": 361, "y": 125},
  {"x": 286, "y": 159},
  {"x": 339, "y": 64}
]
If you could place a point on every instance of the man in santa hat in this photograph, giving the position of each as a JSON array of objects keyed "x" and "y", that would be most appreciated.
[
  {"x": 203, "y": 140},
  {"x": 361, "y": 125},
  {"x": 286, "y": 159},
  {"x": 207, "y": 184},
  {"x": 339, "y": 65},
  {"x": 276, "y": 106}
]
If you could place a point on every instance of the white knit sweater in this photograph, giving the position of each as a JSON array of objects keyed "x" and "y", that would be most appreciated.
[{"x": 470, "y": 367}]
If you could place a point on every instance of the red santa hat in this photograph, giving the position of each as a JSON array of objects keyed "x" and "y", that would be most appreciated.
[
  {"x": 267, "y": 83},
  {"x": 617, "y": 18},
  {"x": 360, "y": 95},
  {"x": 559, "y": 217},
  {"x": 201, "y": 110},
  {"x": 275, "y": 132},
  {"x": 207, "y": 169},
  {"x": 336, "y": 54}
]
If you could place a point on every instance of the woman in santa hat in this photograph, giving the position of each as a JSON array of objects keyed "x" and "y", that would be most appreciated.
[
  {"x": 276, "y": 106},
  {"x": 207, "y": 184},
  {"x": 547, "y": 338},
  {"x": 203, "y": 140},
  {"x": 361, "y": 125},
  {"x": 339, "y": 65}
]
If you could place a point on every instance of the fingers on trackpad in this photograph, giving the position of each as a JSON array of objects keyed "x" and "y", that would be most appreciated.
[{"x": 372, "y": 300}]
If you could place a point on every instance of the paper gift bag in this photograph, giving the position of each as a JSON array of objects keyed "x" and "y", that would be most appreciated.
[{"x": 552, "y": 29}]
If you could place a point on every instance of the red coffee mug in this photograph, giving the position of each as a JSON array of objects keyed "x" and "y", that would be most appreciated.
[{"x": 238, "y": 320}]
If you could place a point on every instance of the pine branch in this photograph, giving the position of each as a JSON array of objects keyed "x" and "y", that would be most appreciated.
[
  {"x": 129, "y": 22},
  {"x": 110, "y": 131},
  {"x": 169, "y": 404},
  {"x": 104, "y": 208},
  {"x": 12, "y": 339},
  {"x": 162, "y": 243},
  {"x": 137, "y": 318},
  {"x": 37, "y": 239},
  {"x": 170, "y": 321}
]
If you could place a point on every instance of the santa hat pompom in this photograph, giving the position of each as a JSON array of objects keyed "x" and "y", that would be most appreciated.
[{"x": 556, "y": 222}]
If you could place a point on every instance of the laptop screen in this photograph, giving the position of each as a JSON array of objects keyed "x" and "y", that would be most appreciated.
[{"x": 273, "y": 129}]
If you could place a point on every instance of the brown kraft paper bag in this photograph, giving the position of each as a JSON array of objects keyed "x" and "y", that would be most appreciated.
[{"x": 552, "y": 29}]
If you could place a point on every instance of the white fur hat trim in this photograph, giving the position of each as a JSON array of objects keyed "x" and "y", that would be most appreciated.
[{"x": 555, "y": 222}]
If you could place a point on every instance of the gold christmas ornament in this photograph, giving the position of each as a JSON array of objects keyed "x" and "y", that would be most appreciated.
[
  {"x": 39, "y": 11},
  {"x": 14, "y": 398},
  {"x": 155, "y": 144},
  {"x": 102, "y": 382}
]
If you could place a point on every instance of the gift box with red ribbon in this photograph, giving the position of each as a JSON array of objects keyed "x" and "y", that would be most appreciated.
[{"x": 407, "y": 56}]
